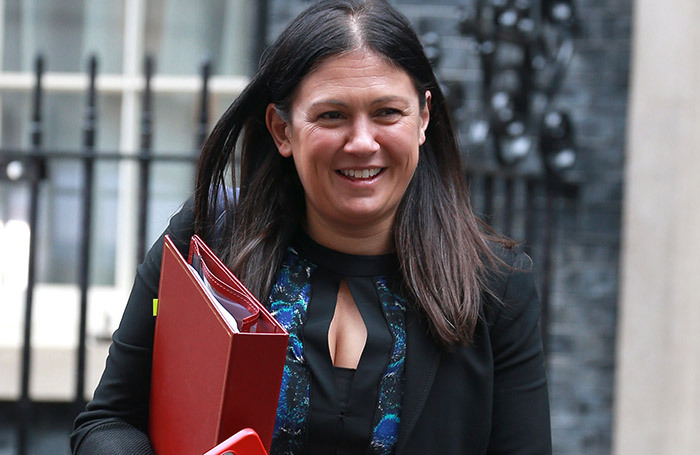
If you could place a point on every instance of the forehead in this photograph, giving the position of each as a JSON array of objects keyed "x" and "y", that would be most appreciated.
[{"x": 356, "y": 73}]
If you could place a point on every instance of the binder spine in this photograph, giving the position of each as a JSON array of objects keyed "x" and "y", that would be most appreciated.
[{"x": 262, "y": 379}]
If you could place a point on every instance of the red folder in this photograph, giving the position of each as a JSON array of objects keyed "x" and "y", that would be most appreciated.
[{"x": 209, "y": 381}]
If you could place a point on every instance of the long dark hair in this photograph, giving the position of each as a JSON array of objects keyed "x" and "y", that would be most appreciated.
[{"x": 443, "y": 253}]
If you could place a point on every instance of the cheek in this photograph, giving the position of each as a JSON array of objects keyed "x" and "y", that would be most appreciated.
[
  {"x": 309, "y": 138},
  {"x": 413, "y": 166},
  {"x": 311, "y": 161},
  {"x": 405, "y": 146},
  {"x": 412, "y": 162},
  {"x": 316, "y": 150}
]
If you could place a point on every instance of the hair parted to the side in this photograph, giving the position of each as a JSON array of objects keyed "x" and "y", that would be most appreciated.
[{"x": 443, "y": 253}]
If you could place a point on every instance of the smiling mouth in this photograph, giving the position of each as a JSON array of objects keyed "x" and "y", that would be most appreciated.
[{"x": 361, "y": 173}]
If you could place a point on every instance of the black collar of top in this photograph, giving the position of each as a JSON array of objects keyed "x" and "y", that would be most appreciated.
[{"x": 345, "y": 264}]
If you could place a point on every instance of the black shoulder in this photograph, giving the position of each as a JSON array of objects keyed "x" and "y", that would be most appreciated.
[
  {"x": 509, "y": 282},
  {"x": 181, "y": 225}
]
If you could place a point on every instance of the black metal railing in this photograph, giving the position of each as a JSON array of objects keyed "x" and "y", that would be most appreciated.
[
  {"x": 519, "y": 205},
  {"x": 29, "y": 167}
]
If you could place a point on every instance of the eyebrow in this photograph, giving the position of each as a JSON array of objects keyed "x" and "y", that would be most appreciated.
[
  {"x": 391, "y": 98},
  {"x": 380, "y": 100},
  {"x": 329, "y": 101}
]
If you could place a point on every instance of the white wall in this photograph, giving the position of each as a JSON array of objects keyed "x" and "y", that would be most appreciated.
[{"x": 658, "y": 370}]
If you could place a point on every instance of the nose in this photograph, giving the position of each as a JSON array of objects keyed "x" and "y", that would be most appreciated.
[{"x": 361, "y": 138}]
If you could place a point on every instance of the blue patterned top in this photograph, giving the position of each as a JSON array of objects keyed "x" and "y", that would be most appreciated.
[{"x": 311, "y": 418}]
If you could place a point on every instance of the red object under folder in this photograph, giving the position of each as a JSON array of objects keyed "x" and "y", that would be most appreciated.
[
  {"x": 208, "y": 380},
  {"x": 245, "y": 442}
]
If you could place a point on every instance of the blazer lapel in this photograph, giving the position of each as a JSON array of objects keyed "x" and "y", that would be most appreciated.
[{"x": 422, "y": 359}]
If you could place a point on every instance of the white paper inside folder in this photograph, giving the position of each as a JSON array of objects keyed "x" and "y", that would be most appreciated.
[
  {"x": 232, "y": 311},
  {"x": 228, "y": 317}
]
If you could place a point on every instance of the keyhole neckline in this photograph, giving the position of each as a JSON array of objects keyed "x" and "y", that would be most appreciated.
[{"x": 345, "y": 264}]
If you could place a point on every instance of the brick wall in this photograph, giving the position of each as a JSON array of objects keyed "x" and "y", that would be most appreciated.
[
  {"x": 586, "y": 282},
  {"x": 587, "y": 235}
]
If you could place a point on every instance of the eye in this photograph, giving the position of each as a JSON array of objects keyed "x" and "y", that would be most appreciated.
[
  {"x": 388, "y": 115},
  {"x": 330, "y": 115},
  {"x": 388, "y": 112}
]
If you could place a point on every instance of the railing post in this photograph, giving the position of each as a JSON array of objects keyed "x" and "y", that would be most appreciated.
[
  {"x": 260, "y": 42},
  {"x": 144, "y": 160},
  {"x": 203, "y": 105},
  {"x": 549, "y": 222},
  {"x": 89, "y": 133},
  {"x": 530, "y": 218},
  {"x": 508, "y": 205},
  {"x": 489, "y": 194},
  {"x": 25, "y": 403}
]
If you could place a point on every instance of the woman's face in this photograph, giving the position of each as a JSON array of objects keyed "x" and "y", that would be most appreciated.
[{"x": 354, "y": 134}]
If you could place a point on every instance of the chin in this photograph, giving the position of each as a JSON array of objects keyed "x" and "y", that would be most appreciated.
[{"x": 365, "y": 216}]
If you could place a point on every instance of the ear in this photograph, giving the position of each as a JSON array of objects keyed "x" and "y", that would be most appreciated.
[
  {"x": 279, "y": 130},
  {"x": 425, "y": 117}
]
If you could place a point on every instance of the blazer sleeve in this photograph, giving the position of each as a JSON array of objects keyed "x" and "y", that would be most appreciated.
[
  {"x": 520, "y": 420},
  {"x": 115, "y": 421}
]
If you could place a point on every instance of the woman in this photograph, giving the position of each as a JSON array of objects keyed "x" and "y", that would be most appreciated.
[{"x": 410, "y": 331}]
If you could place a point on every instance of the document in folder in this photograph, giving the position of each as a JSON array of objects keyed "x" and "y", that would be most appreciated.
[{"x": 213, "y": 373}]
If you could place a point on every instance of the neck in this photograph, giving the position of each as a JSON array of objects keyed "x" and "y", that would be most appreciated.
[{"x": 373, "y": 240}]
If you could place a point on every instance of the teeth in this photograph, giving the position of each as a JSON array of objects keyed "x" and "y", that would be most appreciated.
[{"x": 361, "y": 174}]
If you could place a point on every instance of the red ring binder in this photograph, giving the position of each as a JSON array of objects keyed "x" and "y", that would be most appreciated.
[{"x": 209, "y": 381}]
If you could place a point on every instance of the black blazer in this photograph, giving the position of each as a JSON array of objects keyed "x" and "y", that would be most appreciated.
[{"x": 490, "y": 397}]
